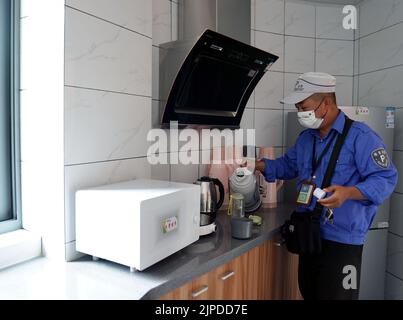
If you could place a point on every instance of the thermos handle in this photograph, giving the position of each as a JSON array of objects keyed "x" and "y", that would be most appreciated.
[
  {"x": 279, "y": 184},
  {"x": 222, "y": 192}
]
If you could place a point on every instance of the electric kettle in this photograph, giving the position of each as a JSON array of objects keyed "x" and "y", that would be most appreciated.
[
  {"x": 209, "y": 205},
  {"x": 245, "y": 182}
]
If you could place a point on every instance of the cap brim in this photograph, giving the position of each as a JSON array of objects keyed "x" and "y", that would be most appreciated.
[{"x": 296, "y": 97}]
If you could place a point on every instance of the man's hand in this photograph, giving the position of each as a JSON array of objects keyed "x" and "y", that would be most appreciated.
[
  {"x": 340, "y": 195},
  {"x": 257, "y": 165}
]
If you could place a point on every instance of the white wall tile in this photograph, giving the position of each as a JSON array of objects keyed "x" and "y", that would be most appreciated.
[
  {"x": 395, "y": 255},
  {"x": 176, "y": 145},
  {"x": 251, "y": 101},
  {"x": 393, "y": 288},
  {"x": 269, "y": 91},
  {"x": 162, "y": 27},
  {"x": 269, "y": 125},
  {"x": 398, "y": 162},
  {"x": 102, "y": 126},
  {"x": 252, "y": 37},
  {"x": 161, "y": 171},
  {"x": 382, "y": 88},
  {"x": 375, "y": 15},
  {"x": 399, "y": 129},
  {"x": 86, "y": 176},
  {"x": 132, "y": 14},
  {"x": 253, "y": 14},
  {"x": 335, "y": 57},
  {"x": 269, "y": 15},
  {"x": 356, "y": 57},
  {"x": 382, "y": 49},
  {"x": 188, "y": 173},
  {"x": 103, "y": 56},
  {"x": 203, "y": 167},
  {"x": 156, "y": 113},
  {"x": 344, "y": 91},
  {"x": 355, "y": 90},
  {"x": 299, "y": 54},
  {"x": 274, "y": 44},
  {"x": 289, "y": 84},
  {"x": 329, "y": 23},
  {"x": 174, "y": 21},
  {"x": 248, "y": 120},
  {"x": 285, "y": 125},
  {"x": 396, "y": 214},
  {"x": 299, "y": 18},
  {"x": 155, "y": 73}
]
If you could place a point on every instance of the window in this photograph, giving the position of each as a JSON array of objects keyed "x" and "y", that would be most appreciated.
[{"x": 10, "y": 204}]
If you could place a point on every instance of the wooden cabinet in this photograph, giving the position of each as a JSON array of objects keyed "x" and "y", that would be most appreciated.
[
  {"x": 286, "y": 273},
  {"x": 222, "y": 283},
  {"x": 266, "y": 272}
]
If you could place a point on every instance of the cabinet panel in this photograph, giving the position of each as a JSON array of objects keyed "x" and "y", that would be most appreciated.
[
  {"x": 203, "y": 288},
  {"x": 228, "y": 281},
  {"x": 267, "y": 272},
  {"x": 286, "y": 273}
]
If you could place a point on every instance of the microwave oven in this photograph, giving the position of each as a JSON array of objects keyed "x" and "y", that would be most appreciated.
[{"x": 137, "y": 223}]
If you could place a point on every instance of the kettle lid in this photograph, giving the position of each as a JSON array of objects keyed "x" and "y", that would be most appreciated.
[{"x": 241, "y": 172}]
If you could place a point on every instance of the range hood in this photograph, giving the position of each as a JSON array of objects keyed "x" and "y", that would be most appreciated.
[{"x": 207, "y": 81}]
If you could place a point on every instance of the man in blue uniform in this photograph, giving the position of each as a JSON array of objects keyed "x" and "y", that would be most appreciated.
[{"x": 363, "y": 178}]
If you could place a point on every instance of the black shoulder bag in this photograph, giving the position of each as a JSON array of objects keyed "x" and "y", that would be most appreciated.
[{"x": 302, "y": 232}]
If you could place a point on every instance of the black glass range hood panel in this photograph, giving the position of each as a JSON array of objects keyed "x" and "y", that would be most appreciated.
[{"x": 215, "y": 82}]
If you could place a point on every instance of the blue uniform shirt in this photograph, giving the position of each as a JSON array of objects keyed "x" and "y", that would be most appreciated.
[{"x": 362, "y": 163}]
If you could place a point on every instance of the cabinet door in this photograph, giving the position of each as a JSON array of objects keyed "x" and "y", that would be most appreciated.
[
  {"x": 222, "y": 283},
  {"x": 228, "y": 281},
  {"x": 249, "y": 267},
  {"x": 286, "y": 273},
  {"x": 290, "y": 286},
  {"x": 267, "y": 287},
  {"x": 258, "y": 268},
  {"x": 203, "y": 288}
]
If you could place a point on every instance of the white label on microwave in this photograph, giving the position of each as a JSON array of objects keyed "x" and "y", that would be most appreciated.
[{"x": 169, "y": 224}]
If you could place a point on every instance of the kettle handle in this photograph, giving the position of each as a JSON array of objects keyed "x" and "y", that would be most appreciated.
[{"x": 222, "y": 192}]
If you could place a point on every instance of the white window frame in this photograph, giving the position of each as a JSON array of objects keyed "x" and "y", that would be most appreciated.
[{"x": 15, "y": 222}]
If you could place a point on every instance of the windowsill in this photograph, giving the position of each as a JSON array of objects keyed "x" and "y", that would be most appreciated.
[{"x": 19, "y": 246}]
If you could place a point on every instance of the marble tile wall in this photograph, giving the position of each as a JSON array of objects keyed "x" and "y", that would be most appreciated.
[
  {"x": 108, "y": 95},
  {"x": 378, "y": 79},
  {"x": 307, "y": 36}
]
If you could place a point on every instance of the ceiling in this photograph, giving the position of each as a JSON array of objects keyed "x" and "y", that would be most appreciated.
[{"x": 338, "y": 1}]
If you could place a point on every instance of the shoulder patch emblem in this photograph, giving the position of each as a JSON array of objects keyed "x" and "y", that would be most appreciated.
[{"x": 380, "y": 157}]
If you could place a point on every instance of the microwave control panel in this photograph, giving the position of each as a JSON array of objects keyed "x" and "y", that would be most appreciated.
[{"x": 170, "y": 224}]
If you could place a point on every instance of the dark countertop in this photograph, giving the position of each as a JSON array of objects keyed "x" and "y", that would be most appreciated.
[{"x": 211, "y": 251}]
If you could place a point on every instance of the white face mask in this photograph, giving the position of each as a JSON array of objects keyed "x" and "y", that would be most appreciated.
[{"x": 308, "y": 119}]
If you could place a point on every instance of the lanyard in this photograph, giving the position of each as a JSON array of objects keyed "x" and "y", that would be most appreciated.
[{"x": 316, "y": 163}]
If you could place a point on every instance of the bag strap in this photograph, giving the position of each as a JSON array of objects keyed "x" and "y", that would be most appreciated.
[{"x": 334, "y": 157}]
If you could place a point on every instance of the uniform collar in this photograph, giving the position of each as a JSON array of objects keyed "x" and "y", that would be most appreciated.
[{"x": 338, "y": 125}]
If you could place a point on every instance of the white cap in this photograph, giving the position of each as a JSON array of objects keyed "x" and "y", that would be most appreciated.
[{"x": 310, "y": 83}]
